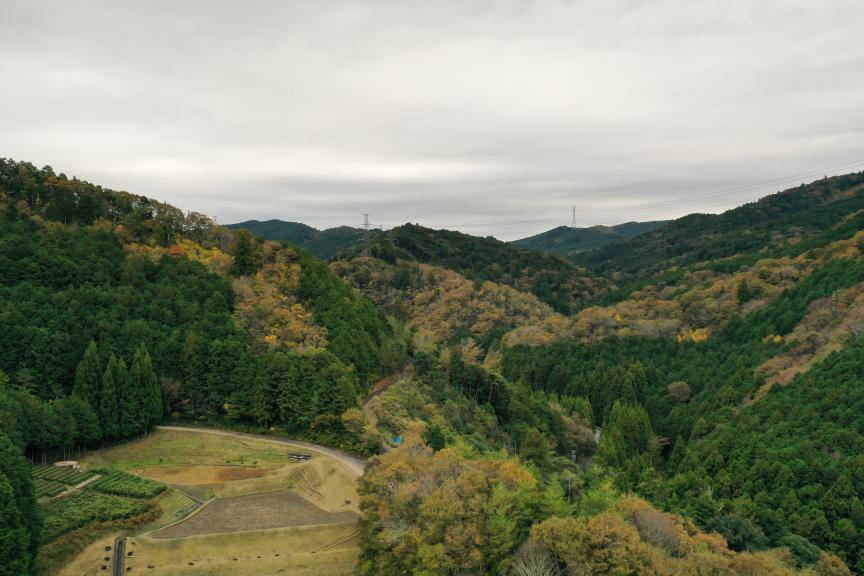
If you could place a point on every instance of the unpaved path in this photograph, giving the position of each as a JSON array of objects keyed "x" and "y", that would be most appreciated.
[{"x": 356, "y": 464}]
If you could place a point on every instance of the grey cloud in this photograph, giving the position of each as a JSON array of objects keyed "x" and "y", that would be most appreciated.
[{"x": 492, "y": 116}]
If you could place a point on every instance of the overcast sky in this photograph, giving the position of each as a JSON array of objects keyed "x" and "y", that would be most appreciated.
[{"x": 488, "y": 117}]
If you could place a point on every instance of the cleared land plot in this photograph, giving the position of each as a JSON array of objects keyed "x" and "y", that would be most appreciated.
[
  {"x": 181, "y": 449},
  {"x": 207, "y": 464},
  {"x": 253, "y": 512},
  {"x": 319, "y": 550}
]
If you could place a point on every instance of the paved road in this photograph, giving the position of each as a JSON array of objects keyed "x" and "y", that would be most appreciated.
[
  {"x": 119, "y": 553},
  {"x": 354, "y": 463}
]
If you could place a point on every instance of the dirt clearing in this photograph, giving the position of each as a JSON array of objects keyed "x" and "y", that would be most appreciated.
[
  {"x": 198, "y": 475},
  {"x": 254, "y": 512}
]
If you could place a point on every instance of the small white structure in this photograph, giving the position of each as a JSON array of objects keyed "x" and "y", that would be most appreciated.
[{"x": 71, "y": 464}]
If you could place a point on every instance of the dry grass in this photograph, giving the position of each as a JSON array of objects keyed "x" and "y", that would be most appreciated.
[
  {"x": 90, "y": 561},
  {"x": 291, "y": 551},
  {"x": 172, "y": 448},
  {"x": 199, "y": 474},
  {"x": 253, "y": 512},
  {"x": 270, "y": 515}
]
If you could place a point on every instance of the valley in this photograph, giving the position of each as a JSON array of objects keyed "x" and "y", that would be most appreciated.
[{"x": 446, "y": 388}]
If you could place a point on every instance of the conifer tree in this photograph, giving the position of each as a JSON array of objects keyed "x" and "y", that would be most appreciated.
[
  {"x": 129, "y": 420},
  {"x": 143, "y": 379},
  {"x": 14, "y": 538},
  {"x": 88, "y": 376},
  {"x": 15, "y": 467},
  {"x": 245, "y": 256},
  {"x": 108, "y": 408}
]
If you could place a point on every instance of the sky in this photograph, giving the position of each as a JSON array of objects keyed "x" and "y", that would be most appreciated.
[{"x": 490, "y": 117}]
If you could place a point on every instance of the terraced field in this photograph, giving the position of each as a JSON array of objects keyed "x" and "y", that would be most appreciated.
[{"x": 264, "y": 512}]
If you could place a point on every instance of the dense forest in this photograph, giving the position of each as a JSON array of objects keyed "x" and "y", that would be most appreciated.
[
  {"x": 324, "y": 244},
  {"x": 702, "y": 419},
  {"x": 781, "y": 222},
  {"x": 554, "y": 280},
  {"x": 566, "y": 241}
]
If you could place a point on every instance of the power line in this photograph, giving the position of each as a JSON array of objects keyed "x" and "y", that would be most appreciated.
[
  {"x": 365, "y": 234},
  {"x": 524, "y": 223}
]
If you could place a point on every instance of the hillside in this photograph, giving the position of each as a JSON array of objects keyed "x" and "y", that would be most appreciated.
[
  {"x": 748, "y": 366},
  {"x": 727, "y": 387},
  {"x": 324, "y": 244},
  {"x": 554, "y": 280},
  {"x": 294, "y": 232},
  {"x": 784, "y": 223},
  {"x": 566, "y": 241}
]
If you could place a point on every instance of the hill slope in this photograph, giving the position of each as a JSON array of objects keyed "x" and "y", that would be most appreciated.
[
  {"x": 294, "y": 232},
  {"x": 566, "y": 241},
  {"x": 554, "y": 280},
  {"x": 781, "y": 223},
  {"x": 324, "y": 244}
]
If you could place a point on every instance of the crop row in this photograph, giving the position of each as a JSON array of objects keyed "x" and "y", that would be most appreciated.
[
  {"x": 62, "y": 475},
  {"x": 123, "y": 484},
  {"x": 48, "y": 488},
  {"x": 68, "y": 514}
]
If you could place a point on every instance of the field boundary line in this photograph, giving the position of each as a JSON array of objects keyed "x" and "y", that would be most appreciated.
[
  {"x": 149, "y": 536},
  {"x": 199, "y": 505},
  {"x": 332, "y": 544}
]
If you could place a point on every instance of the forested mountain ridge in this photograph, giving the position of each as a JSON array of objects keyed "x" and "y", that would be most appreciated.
[
  {"x": 554, "y": 280},
  {"x": 293, "y": 232},
  {"x": 324, "y": 244},
  {"x": 727, "y": 390},
  {"x": 566, "y": 241},
  {"x": 748, "y": 365},
  {"x": 776, "y": 225}
]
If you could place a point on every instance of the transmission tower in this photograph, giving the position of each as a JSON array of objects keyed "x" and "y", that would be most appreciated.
[
  {"x": 573, "y": 219},
  {"x": 365, "y": 234}
]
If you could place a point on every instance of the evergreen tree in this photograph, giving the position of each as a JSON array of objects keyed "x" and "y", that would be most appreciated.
[
  {"x": 434, "y": 436},
  {"x": 745, "y": 294},
  {"x": 130, "y": 420},
  {"x": 15, "y": 467},
  {"x": 88, "y": 376},
  {"x": 108, "y": 408},
  {"x": 143, "y": 378},
  {"x": 245, "y": 254},
  {"x": 14, "y": 538},
  {"x": 553, "y": 501}
]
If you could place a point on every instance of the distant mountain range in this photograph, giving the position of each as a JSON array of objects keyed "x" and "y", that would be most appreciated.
[
  {"x": 561, "y": 241},
  {"x": 324, "y": 244},
  {"x": 566, "y": 241}
]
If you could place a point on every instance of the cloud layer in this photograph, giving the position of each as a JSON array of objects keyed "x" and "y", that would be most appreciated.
[{"x": 491, "y": 117}]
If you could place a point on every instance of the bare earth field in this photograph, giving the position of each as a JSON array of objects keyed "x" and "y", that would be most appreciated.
[
  {"x": 280, "y": 509},
  {"x": 265, "y": 514}
]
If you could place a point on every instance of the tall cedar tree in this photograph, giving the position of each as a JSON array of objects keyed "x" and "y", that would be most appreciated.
[
  {"x": 109, "y": 403},
  {"x": 14, "y": 538},
  {"x": 15, "y": 467},
  {"x": 245, "y": 254},
  {"x": 129, "y": 403},
  {"x": 88, "y": 376},
  {"x": 143, "y": 379}
]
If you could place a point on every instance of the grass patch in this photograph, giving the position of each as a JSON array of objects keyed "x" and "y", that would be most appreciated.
[{"x": 171, "y": 448}]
